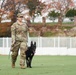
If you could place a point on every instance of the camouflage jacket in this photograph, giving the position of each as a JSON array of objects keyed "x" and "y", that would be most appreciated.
[{"x": 19, "y": 32}]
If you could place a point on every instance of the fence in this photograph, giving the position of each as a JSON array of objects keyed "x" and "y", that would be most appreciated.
[
  {"x": 69, "y": 42},
  {"x": 45, "y": 45}
]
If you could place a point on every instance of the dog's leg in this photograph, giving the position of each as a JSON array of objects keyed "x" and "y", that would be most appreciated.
[
  {"x": 27, "y": 61},
  {"x": 30, "y": 62}
]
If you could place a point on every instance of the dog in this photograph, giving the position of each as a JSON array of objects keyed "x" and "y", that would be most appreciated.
[{"x": 30, "y": 54}]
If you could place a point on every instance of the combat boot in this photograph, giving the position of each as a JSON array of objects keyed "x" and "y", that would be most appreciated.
[
  {"x": 22, "y": 66},
  {"x": 13, "y": 65}
]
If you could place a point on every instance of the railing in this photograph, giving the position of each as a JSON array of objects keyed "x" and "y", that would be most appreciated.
[{"x": 69, "y": 42}]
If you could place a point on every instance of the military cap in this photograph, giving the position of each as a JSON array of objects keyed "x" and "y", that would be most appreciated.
[{"x": 19, "y": 15}]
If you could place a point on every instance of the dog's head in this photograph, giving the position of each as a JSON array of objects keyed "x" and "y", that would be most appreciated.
[{"x": 33, "y": 46}]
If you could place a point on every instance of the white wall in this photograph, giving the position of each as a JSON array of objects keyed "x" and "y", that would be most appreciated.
[
  {"x": 45, "y": 51},
  {"x": 55, "y": 51}
]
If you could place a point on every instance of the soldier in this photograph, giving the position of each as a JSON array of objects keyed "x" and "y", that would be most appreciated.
[{"x": 19, "y": 41}]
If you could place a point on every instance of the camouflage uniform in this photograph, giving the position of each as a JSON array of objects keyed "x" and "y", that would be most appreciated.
[{"x": 19, "y": 37}]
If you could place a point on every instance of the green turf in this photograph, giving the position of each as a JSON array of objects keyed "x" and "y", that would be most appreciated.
[{"x": 42, "y": 65}]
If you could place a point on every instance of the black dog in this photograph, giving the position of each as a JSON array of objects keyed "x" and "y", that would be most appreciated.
[{"x": 30, "y": 53}]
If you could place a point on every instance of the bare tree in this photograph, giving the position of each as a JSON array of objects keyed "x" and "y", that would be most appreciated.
[
  {"x": 13, "y": 7},
  {"x": 62, "y": 6}
]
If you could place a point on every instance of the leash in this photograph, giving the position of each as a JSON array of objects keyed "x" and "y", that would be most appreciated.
[{"x": 9, "y": 54}]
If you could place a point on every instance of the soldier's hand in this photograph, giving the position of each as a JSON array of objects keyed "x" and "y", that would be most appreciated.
[{"x": 30, "y": 30}]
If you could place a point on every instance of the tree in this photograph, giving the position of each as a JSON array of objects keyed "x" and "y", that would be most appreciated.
[
  {"x": 62, "y": 6},
  {"x": 13, "y": 7},
  {"x": 53, "y": 15},
  {"x": 71, "y": 13},
  {"x": 35, "y": 7}
]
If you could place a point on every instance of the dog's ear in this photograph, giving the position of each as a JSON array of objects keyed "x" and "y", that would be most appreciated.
[
  {"x": 31, "y": 43},
  {"x": 34, "y": 43}
]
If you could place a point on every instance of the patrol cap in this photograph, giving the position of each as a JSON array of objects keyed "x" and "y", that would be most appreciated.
[{"x": 19, "y": 15}]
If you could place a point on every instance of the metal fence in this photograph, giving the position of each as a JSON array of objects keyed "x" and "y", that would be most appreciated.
[{"x": 69, "y": 42}]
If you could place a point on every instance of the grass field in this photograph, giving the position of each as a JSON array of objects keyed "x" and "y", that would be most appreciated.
[{"x": 42, "y": 65}]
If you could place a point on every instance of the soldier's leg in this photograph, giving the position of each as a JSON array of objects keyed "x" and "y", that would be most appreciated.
[
  {"x": 15, "y": 53},
  {"x": 23, "y": 48}
]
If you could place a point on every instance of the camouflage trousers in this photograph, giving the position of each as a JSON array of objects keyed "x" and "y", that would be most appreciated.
[{"x": 15, "y": 49}]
